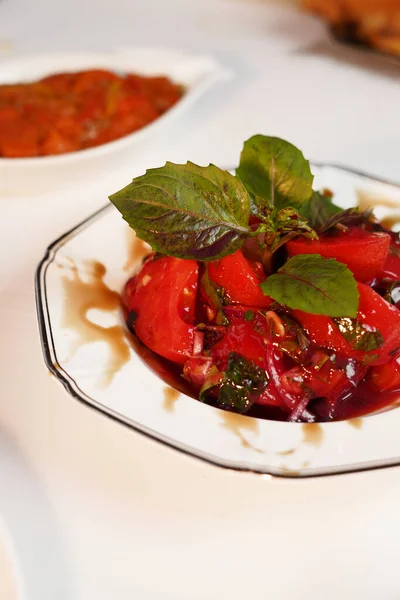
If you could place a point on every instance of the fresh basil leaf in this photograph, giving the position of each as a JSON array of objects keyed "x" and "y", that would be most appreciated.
[
  {"x": 284, "y": 224},
  {"x": 318, "y": 209},
  {"x": 187, "y": 211},
  {"x": 258, "y": 207},
  {"x": 350, "y": 216},
  {"x": 275, "y": 173},
  {"x": 242, "y": 384},
  {"x": 321, "y": 286},
  {"x": 358, "y": 335},
  {"x": 249, "y": 315}
]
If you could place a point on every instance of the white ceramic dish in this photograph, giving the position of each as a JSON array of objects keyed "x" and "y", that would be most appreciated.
[
  {"x": 196, "y": 72},
  {"x": 137, "y": 397}
]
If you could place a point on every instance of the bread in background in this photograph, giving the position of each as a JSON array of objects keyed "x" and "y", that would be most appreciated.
[{"x": 375, "y": 23}]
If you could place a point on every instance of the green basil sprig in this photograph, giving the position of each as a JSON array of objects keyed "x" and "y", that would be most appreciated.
[
  {"x": 321, "y": 286},
  {"x": 359, "y": 337},
  {"x": 203, "y": 213},
  {"x": 275, "y": 172},
  {"x": 187, "y": 211},
  {"x": 237, "y": 388},
  {"x": 319, "y": 209}
]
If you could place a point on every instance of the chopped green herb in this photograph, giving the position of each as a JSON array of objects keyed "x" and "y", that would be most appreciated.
[
  {"x": 249, "y": 315},
  {"x": 211, "y": 384},
  {"x": 214, "y": 293},
  {"x": 279, "y": 226},
  {"x": 358, "y": 335},
  {"x": 221, "y": 318},
  {"x": 237, "y": 388},
  {"x": 243, "y": 383}
]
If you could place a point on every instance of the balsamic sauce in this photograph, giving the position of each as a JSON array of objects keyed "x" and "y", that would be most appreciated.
[
  {"x": 236, "y": 423},
  {"x": 357, "y": 423},
  {"x": 170, "y": 397},
  {"x": 287, "y": 452},
  {"x": 137, "y": 250},
  {"x": 92, "y": 293},
  {"x": 313, "y": 434}
]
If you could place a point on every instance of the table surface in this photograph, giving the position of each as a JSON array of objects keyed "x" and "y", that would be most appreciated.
[{"x": 92, "y": 510}]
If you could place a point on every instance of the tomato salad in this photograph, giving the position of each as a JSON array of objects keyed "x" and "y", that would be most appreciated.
[
  {"x": 269, "y": 299},
  {"x": 66, "y": 112}
]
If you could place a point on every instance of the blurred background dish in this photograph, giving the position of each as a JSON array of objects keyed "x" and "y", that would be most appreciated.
[
  {"x": 196, "y": 73},
  {"x": 370, "y": 23},
  {"x": 76, "y": 110}
]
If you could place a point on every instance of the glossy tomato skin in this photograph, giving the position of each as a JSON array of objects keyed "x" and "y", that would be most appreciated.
[
  {"x": 364, "y": 252},
  {"x": 244, "y": 338},
  {"x": 240, "y": 280},
  {"x": 240, "y": 337},
  {"x": 391, "y": 267},
  {"x": 386, "y": 377},
  {"x": 163, "y": 296},
  {"x": 374, "y": 312}
]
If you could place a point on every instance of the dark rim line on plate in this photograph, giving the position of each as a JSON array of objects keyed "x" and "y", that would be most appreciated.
[{"x": 50, "y": 358}]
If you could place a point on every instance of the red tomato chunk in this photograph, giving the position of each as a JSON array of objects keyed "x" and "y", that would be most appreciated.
[
  {"x": 364, "y": 252},
  {"x": 163, "y": 297},
  {"x": 214, "y": 321},
  {"x": 240, "y": 279}
]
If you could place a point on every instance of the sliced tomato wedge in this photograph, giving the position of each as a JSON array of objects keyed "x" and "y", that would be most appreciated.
[
  {"x": 386, "y": 377},
  {"x": 163, "y": 296},
  {"x": 373, "y": 312},
  {"x": 391, "y": 267},
  {"x": 240, "y": 337},
  {"x": 240, "y": 280},
  {"x": 364, "y": 252}
]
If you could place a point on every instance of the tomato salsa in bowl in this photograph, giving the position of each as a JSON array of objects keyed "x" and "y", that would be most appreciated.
[
  {"x": 271, "y": 300},
  {"x": 84, "y": 113},
  {"x": 67, "y": 112}
]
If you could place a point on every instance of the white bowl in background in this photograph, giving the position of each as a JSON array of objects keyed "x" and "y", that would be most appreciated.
[{"x": 28, "y": 175}]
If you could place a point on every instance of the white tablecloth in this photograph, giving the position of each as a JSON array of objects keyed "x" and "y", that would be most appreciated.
[{"x": 90, "y": 510}]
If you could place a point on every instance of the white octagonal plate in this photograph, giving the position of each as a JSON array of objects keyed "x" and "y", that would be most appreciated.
[{"x": 88, "y": 349}]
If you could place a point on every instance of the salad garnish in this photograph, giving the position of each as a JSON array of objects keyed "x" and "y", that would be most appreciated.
[
  {"x": 261, "y": 292},
  {"x": 321, "y": 286},
  {"x": 205, "y": 213}
]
